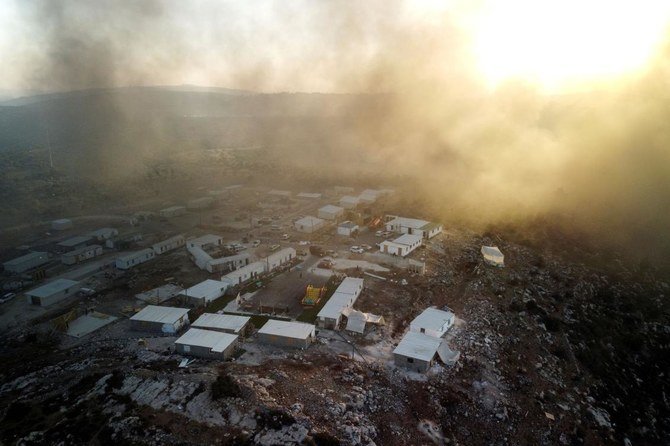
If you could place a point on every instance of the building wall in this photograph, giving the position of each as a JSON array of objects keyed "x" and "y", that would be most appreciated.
[
  {"x": 327, "y": 215},
  {"x": 27, "y": 264},
  {"x": 127, "y": 263},
  {"x": 416, "y": 365},
  {"x": 54, "y": 298},
  {"x": 328, "y": 323},
  {"x": 74, "y": 258},
  {"x": 205, "y": 352},
  {"x": 168, "y": 245},
  {"x": 159, "y": 327},
  {"x": 282, "y": 341}
]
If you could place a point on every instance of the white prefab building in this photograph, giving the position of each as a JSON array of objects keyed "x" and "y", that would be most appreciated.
[
  {"x": 286, "y": 334},
  {"x": 200, "y": 203},
  {"x": 206, "y": 344},
  {"x": 279, "y": 258},
  {"x": 405, "y": 225},
  {"x": 169, "y": 244},
  {"x": 349, "y": 202},
  {"x": 61, "y": 224},
  {"x": 401, "y": 246},
  {"x": 347, "y": 228},
  {"x": 81, "y": 254},
  {"x": 52, "y": 292},
  {"x": 103, "y": 234},
  {"x": 369, "y": 196},
  {"x": 245, "y": 274},
  {"x": 205, "y": 292},
  {"x": 416, "y": 352},
  {"x": 209, "y": 239},
  {"x": 172, "y": 211},
  {"x": 342, "y": 300},
  {"x": 309, "y": 224},
  {"x": 26, "y": 262},
  {"x": 160, "y": 319},
  {"x": 74, "y": 243},
  {"x": 230, "y": 263},
  {"x": 432, "y": 322},
  {"x": 135, "y": 258},
  {"x": 330, "y": 212},
  {"x": 227, "y": 323},
  {"x": 493, "y": 256}
]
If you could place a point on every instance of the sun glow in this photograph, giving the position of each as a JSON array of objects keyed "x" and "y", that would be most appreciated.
[{"x": 557, "y": 44}]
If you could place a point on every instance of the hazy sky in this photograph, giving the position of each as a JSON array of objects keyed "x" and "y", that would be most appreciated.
[{"x": 329, "y": 45}]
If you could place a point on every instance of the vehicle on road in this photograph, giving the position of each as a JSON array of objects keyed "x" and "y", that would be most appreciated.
[{"x": 357, "y": 249}]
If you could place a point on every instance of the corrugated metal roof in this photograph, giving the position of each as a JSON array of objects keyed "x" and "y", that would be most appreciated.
[
  {"x": 51, "y": 288},
  {"x": 74, "y": 241},
  {"x": 351, "y": 285},
  {"x": 164, "y": 315},
  {"x": 214, "y": 340},
  {"x": 296, "y": 330},
  {"x": 418, "y": 346},
  {"x": 344, "y": 297},
  {"x": 221, "y": 321}
]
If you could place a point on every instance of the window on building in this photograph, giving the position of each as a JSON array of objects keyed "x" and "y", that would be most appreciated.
[
  {"x": 423, "y": 330},
  {"x": 410, "y": 360}
]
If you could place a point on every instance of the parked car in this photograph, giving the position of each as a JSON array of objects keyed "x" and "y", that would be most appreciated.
[
  {"x": 255, "y": 243},
  {"x": 285, "y": 237},
  {"x": 357, "y": 249},
  {"x": 7, "y": 297},
  {"x": 379, "y": 233},
  {"x": 366, "y": 247}
]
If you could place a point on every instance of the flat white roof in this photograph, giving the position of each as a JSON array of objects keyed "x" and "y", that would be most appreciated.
[
  {"x": 206, "y": 288},
  {"x": 350, "y": 285},
  {"x": 350, "y": 199},
  {"x": 165, "y": 315},
  {"x": 29, "y": 256},
  {"x": 348, "y": 224},
  {"x": 408, "y": 239},
  {"x": 413, "y": 223},
  {"x": 74, "y": 241},
  {"x": 209, "y": 239},
  {"x": 309, "y": 221},
  {"x": 221, "y": 321},
  {"x": 330, "y": 208},
  {"x": 214, "y": 340},
  {"x": 102, "y": 231},
  {"x": 51, "y": 288},
  {"x": 344, "y": 297},
  {"x": 287, "y": 329},
  {"x": 433, "y": 319},
  {"x": 418, "y": 346}
]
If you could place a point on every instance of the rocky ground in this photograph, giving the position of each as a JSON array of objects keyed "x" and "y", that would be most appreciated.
[{"x": 565, "y": 345}]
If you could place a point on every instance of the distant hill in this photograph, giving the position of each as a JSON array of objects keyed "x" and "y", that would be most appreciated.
[{"x": 89, "y": 128}]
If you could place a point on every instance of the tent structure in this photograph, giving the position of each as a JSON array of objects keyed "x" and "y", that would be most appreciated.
[
  {"x": 447, "y": 355},
  {"x": 493, "y": 256}
]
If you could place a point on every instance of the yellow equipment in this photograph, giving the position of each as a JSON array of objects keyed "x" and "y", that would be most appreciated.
[{"x": 313, "y": 295}]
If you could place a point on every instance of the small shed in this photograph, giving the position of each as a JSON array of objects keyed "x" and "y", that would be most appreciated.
[
  {"x": 206, "y": 344},
  {"x": 309, "y": 224},
  {"x": 347, "y": 228},
  {"x": 160, "y": 319},
  {"x": 493, "y": 256},
  {"x": 53, "y": 292},
  {"x": 226, "y": 323},
  {"x": 416, "y": 352},
  {"x": 349, "y": 202},
  {"x": 287, "y": 334},
  {"x": 330, "y": 212},
  {"x": 401, "y": 246}
]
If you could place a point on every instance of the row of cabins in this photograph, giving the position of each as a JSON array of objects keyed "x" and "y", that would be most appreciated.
[
  {"x": 217, "y": 335},
  {"x": 210, "y": 290},
  {"x": 133, "y": 259},
  {"x": 203, "y": 260}
]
